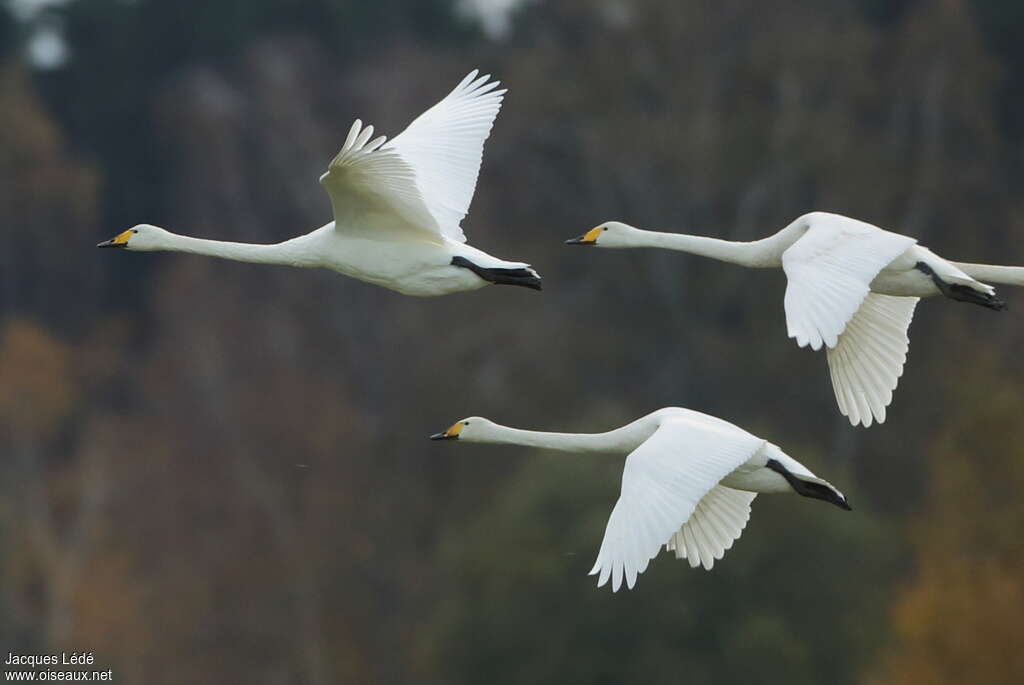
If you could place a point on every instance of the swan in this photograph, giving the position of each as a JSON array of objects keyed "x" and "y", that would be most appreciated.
[
  {"x": 851, "y": 287},
  {"x": 397, "y": 207},
  {"x": 687, "y": 484}
]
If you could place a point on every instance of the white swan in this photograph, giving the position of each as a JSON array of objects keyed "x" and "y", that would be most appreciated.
[
  {"x": 688, "y": 483},
  {"x": 397, "y": 207},
  {"x": 852, "y": 287}
]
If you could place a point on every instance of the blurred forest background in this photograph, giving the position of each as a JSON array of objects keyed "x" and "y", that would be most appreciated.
[{"x": 218, "y": 473}]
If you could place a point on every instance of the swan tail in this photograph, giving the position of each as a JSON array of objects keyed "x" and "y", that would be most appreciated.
[
  {"x": 1004, "y": 275},
  {"x": 522, "y": 276},
  {"x": 963, "y": 289}
]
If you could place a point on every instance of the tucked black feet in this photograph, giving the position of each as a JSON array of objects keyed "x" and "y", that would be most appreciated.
[
  {"x": 526, "y": 278},
  {"x": 810, "y": 488},
  {"x": 966, "y": 294},
  {"x": 962, "y": 293}
]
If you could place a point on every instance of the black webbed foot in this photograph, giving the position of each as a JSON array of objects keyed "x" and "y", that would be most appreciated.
[{"x": 525, "y": 278}]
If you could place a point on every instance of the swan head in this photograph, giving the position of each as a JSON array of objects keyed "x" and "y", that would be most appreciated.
[
  {"x": 141, "y": 237},
  {"x": 473, "y": 429},
  {"x": 608, "y": 234}
]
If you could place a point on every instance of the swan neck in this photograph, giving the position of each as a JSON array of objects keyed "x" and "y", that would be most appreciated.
[
  {"x": 565, "y": 442},
  {"x": 759, "y": 253},
  {"x": 292, "y": 252}
]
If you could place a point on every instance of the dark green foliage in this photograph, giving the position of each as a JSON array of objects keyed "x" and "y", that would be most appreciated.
[{"x": 8, "y": 32}]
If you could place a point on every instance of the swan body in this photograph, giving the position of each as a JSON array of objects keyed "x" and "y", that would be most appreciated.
[
  {"x": 852, "y": 288},
  {"x": 397, "y": 207},
  {"x": 687, "y": 484}
]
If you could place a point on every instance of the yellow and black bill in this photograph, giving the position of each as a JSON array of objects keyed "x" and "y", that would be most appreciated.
[
  {"x": 451, "y": 434},
  {"x": 120, "y": 240},
  {"x": 588, "y": 238}
]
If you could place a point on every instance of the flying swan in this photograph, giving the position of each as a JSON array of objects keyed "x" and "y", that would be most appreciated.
[
  {"x": 852, "y": 287},
  {"x": 688, "y": 483},
  {"x": 397, "y": 207}
]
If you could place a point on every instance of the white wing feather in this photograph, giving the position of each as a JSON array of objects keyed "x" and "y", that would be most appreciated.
[
  {"x": 423, "y": 179},
  {"x": 867, "y": 362},
  {"x": 829, "y": 271},
  {"x": 366, "y": 183},
  {"x": 445, "y": 145},
  {"x": 663, "y": 482},
  {"x": 717, "y": 522}
]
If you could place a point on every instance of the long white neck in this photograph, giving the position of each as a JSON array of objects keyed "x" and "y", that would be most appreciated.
[
  {"x": 294, "y": 252},
  {"x": 763, "y": 253},
  {"x": 618, "y": 441},
  {"x": 990, "y": 273}
]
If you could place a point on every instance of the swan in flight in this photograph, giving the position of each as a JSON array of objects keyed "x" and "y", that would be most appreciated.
[
  {"x": 852, "y": 287},
  {"x": 397, "y": 207},
  {"x": 687, "y": 484}
]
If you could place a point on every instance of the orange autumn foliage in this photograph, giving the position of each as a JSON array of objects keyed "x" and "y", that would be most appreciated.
[{"x": 960, "y": 619}]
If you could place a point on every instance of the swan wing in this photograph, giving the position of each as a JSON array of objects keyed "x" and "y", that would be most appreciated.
[
  {"x": 717, "y": 522},
  {"x": 829, "y": 271},
  {"x": 422, "y": 181},
  {"x": 374, "y": 190},
  {"x": 663, "y": 482},
  {"x": 444, "y": 147},
  {"x": 867, "y": 362}
]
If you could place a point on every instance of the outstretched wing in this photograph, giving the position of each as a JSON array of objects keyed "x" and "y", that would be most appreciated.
[
  {"x": 829, "y": 271},
  {"x": 663, "y": 482},
  {"x": 717, "y": 522},
  {"x": 445, "y": 145},
  {"x": 867, "y": 362},
  {"x": 423, "y": 179},
  {"x": 375, "y": 190}
]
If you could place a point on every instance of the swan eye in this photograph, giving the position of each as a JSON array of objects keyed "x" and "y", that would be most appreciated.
[
  {"x": 604, "y": 228},
  {"x": 465, "y": 423},
  {"x": 135, "y": 230}
]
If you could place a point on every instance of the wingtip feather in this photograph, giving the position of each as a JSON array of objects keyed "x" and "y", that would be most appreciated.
[
  {"x": 468, "y": 78},
  {"x": 353, "y": 132}
]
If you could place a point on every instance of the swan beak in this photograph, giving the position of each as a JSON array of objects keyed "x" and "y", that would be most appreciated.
[
  {"x": 120, "y": 240},
  {"x": 450, "y": 434},
  {"x": 588, "y": 238}
]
